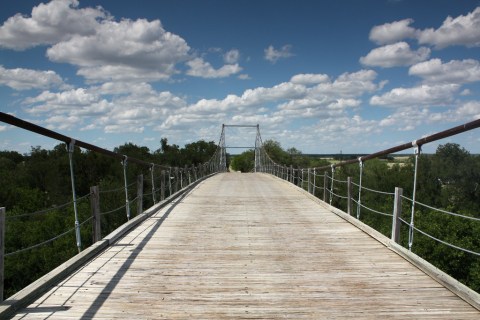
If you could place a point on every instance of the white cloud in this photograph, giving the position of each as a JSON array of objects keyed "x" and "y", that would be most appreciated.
[
  {"x": 424, "y": 95},
  {"x": 25, "y": 79},
  {"x": 188, "y": 121},
  {"x": 462, "y": 30},
  {"x": 3, "y": 128},
  {"x": 250, "y": 98},
  {"x": 393, "y": 55},
  {"x": 273, "y": 55},
  {"x": 50, "y": 23},
  {"x": 455, "y": 71},
  {"x": 200, "y": 68},
  {"x": 315, "y": 108},
  {"x": 347, "y": 85},
  {"x": 142, "y": 107},
  {"x": 406, "y": 119},
  {"x": 339, "y": 129},
  {"x": 392, "y": 32},
  {"x": 123, "y": 50},
  {"x": 128, "y": 74},
  {"x": 50, "y": 102},
  {"x": 60, "y": 122},
  {"x": 232, "y": 56},
  {"x": 309, "y": 78},
  {"x": 282, "y": 103},
  {"x": 264, "y": 119},
  {"x": 244, "y": 76},
  {"x": 469, "y": 110}
]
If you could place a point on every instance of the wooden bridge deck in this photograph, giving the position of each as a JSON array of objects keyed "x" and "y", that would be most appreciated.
[{"x": 247, "y": 246}]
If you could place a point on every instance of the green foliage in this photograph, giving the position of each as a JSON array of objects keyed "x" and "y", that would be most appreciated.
[
  {"x": 244, "y": 162},
  {"x": 291, "y": 156}
]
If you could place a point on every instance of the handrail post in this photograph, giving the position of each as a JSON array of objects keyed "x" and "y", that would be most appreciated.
[
  {"x": 170, "y": 182},
  {"x": 359, "y": 205},
  {"x": 349, "y": 196},
  {"x": 139, "y": 194},
  {"x": 325, "y": 186},
  {"x": 292, "y": 173},
  {"x": 417, "y": 151},
  {"x": 309, "y": 186},
  {"x": 153, "y": 184},
  {"x": 71, "y": 148},
  {"x": 397, "y": 213},
  {"x": 2, "y": 251},
  {"x": 331, "y": 186},
  {"x": 95, "y": 208},
  {"x": 300, "y": 179},
  {"x": 162, "y": 186},
  {"x": 314, "y": 182},
  {"x": 175, "y": 174},
  {"x": 127, "y": 203}
]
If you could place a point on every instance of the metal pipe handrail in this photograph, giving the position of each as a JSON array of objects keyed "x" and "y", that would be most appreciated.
[
  {"x": 4, "y": 117},
  {"x": 419, "y": 142}
]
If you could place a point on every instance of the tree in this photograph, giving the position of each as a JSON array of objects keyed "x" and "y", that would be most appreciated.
[
  {"x": 244, "y": 162},
  {"x": 199, "y": 152}
]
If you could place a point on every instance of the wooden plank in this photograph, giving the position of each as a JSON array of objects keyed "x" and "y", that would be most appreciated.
[{"x": 247, "y": 246}]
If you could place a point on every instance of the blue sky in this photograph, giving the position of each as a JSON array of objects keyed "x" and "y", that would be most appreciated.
[{"x": 321, "y": 76}]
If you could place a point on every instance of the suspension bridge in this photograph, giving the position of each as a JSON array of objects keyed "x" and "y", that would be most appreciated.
[{"x": 262, "y": 245}]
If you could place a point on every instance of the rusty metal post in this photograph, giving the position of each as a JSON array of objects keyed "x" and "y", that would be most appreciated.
[
  {"x": 397, "y": 213},
  {"x": 95, "y": 208}
]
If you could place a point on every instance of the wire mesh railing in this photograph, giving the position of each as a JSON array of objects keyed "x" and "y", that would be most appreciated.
[
  {"x": 396, "y": 216},
  {"x": 89, "y": 218}
]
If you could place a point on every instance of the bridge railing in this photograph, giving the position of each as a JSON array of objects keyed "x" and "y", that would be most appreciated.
[
  {"x": 395, "y": 214},
  {"x": 106, "y": 207}
]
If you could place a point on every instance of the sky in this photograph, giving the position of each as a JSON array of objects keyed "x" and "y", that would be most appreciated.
[{"x": 321, "y": 76}]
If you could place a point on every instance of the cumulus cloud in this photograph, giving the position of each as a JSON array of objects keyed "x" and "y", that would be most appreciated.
[
  {"x": 316, "y": 108},
  {"x": 406, "y": 119},
  {"x": 389, "y": 33},
  {"x": 250, "y": 98},
  {"x": 409, "y": 118},
  {"x": 25, "y": 79},
  {"x": 141, "y": 107},
  {"x": 200, "y": 68},
  {"x": 304, "y": 96},
  {"x": 244, "y": 76},
  {"x": 273, "y": 55},
  {"x": 308, "y": 79},
  {"x": 454, "y": 71},
  {"x": 348, "y": 85},
  {"x": 463, "y": 30},
  {"x": 424, "y": 95},
  {"x": 123, "y": 50},
  {"x": 232, "y": 56},
  {"x": 59, "y": 102},
  {"x": 393, "y": 55},
  {"x": 50, "y": 23},
  {"x": 469, "y": 110}
]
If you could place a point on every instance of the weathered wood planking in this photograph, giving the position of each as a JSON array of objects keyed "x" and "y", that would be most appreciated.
[{"x": 247, "y": 246}]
